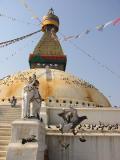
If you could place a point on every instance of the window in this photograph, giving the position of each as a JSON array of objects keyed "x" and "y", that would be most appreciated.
[
  {"x": 83, "y": 103},
  {"x": 50, "y": 100},
  {"x": 57, "y": 101}
]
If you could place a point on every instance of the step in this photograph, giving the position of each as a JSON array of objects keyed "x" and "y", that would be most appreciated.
[
  {"x": 12, "y": 109},
  {"x": 7, "y": 119},
  {"x": 7, "y": 112},
  {"x": 5, "y": 132},
  {"x": 6, "y": 125},
  {"x": 3, "y": 137},
  {"x": 4, "y": 148},
  {"x": 4, "y": 142},
  {"x": 5, "y": 129},
  {"x": 2, "y": 158},
  {"x": 9, "y": 122},
  {"x": 3, "y": 153},
  {"x": 9, "y": 106},
  {"x": 17, "y": 116},
  {"x": 2, "y": 111},
  {"x": 10, "y": 114}
]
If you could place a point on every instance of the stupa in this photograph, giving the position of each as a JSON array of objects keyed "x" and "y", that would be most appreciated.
[{"x": 59, "y": 90}]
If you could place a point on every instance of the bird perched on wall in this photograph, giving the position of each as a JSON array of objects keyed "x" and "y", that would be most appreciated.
[
  {"x": 71, "y": 120},
  {"x": 32, "y": 138},
  {"x": 82, "y": 139}
]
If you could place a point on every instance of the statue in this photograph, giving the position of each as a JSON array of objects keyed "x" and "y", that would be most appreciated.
[
  {"x": 71, "y": 120},
  {"x": 31, "y": 99}
]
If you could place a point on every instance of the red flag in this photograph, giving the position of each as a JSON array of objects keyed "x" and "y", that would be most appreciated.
[{"x": 116, "y": 21}]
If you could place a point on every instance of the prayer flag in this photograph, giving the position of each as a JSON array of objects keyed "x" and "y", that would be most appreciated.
[
  {"x": 116, "y": 21},
  {"x": 87, "y": 31},
  {"x": 100, "y": 27},
  {"x": 68, "y": 38},
  {"x": 107, "y": 24}
]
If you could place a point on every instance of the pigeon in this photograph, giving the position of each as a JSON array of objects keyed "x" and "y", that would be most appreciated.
[
  {"x": 65, "y": 146},
  {"x": 78, "y": 121},
  {"x": 71, "y": 120},
  {"x": 82, "y": 139},
  {"x": 30, "y": 139},
  {"x": 65, "y": 115}
]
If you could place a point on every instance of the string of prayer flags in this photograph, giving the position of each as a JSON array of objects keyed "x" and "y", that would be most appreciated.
[{"x": 6, "y": 43}]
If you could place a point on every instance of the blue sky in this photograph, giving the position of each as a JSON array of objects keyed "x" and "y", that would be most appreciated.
[{"x": 75, "y": 17}]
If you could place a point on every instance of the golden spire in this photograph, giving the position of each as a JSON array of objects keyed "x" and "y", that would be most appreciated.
[
  {"x": 48, "y": 51},
  {"x": 50, "y": 21}
]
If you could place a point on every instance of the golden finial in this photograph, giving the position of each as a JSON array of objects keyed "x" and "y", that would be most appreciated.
[{"x": 50, "y": 21}]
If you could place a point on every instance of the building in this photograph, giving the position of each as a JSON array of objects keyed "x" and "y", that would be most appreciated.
[{"x": 61, "y": 90}]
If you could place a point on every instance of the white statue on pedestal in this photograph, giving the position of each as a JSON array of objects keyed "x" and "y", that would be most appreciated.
[{"x": 31, "y": 99}]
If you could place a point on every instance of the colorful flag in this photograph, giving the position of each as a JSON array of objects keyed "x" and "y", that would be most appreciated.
[
  {"x": 107, "y": 24},
  {"x": 116, "y": 21},
  {"x": 68, "y": 38},
  {"x": 77, "y": 36},
  {"x": 87, "y": 31},
  {"x": 100, "y": 27}
]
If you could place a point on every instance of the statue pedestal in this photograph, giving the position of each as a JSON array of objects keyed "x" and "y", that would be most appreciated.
[{"x": 30, "y": 150}]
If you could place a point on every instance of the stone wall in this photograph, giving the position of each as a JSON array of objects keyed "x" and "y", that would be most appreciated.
[
  {"x": 106, "y": 115},
  {"x": 95, "y": 148}
]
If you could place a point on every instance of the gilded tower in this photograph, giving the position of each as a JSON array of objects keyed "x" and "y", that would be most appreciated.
[{"x": 48, "y": 51}]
